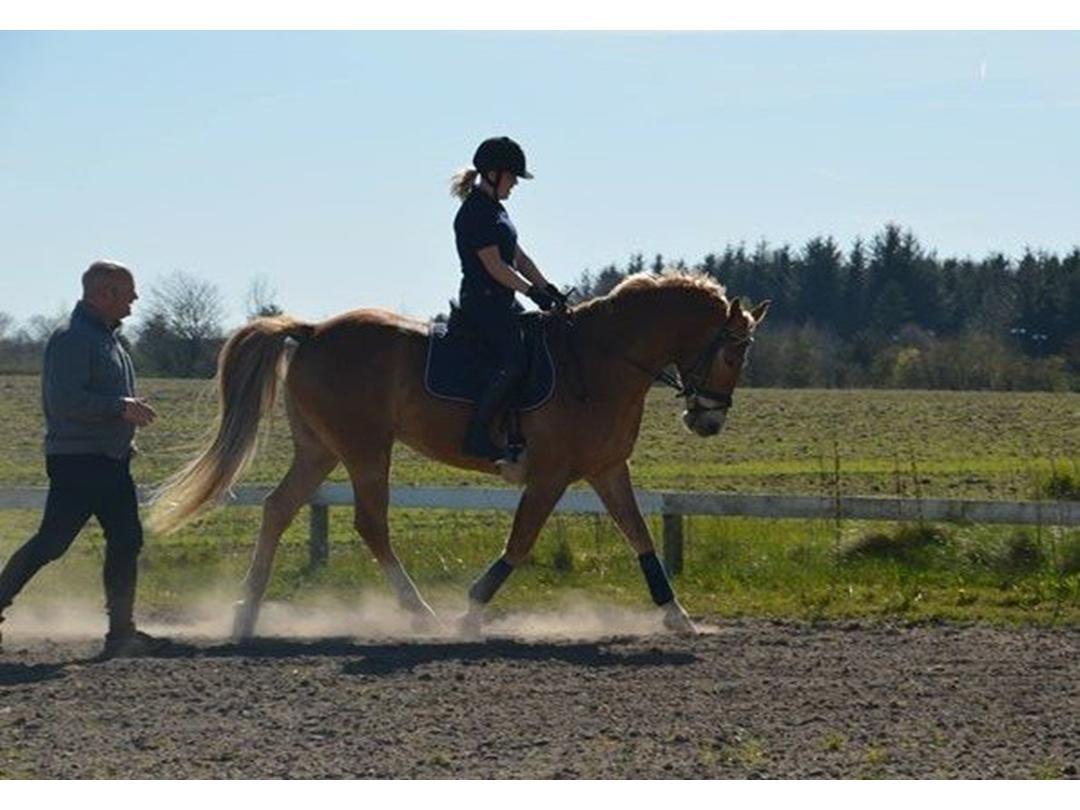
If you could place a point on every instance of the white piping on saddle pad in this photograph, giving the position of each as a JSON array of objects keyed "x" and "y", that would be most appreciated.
[{"x": 434, "y": 325}]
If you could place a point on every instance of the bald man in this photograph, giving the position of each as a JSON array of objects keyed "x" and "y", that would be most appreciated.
[{"x": 91, "y": 413}]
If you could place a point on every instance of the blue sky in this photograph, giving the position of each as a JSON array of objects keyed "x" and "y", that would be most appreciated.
[{"x": 320, "y": 160}]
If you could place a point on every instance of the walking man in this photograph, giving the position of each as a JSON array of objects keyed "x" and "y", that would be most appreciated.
[{"x": 91, "y": 413}]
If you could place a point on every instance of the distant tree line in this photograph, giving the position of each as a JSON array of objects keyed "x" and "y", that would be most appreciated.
[
  {"x": 178, "y": 334},
  {"x": 889, "y": 313},
  {"x": 886, "y": 313}
]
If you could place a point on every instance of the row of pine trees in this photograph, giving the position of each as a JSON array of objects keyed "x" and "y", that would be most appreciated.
[
  {"x": 888, "y": 312},
  {"x": 885, "y": 313}
]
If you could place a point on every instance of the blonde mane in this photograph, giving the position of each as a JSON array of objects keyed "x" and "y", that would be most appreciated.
[{"x": 646, "y": 282}]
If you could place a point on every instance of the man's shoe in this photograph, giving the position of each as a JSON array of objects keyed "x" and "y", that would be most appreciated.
[{"x": 135, "y": 644}]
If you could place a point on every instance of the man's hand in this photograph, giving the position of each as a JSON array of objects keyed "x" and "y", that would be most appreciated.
[
  {"x": 541, "y": 297},
  {"x": 138, "y": 412}
]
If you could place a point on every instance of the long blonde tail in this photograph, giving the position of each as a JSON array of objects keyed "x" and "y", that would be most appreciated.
[{"x": 249, "y": 365}]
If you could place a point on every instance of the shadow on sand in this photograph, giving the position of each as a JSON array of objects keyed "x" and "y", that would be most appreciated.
[
  {"x": 15, "y": 674},
  {"x": 389, "y": 657},
  {"x": 386, "y": 658}
]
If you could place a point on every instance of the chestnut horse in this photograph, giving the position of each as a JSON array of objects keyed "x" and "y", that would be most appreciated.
[{"x": 354, "y": 385}]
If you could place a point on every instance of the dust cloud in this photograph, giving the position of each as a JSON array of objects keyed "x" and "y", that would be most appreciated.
[{"x": 375, "y": 617}]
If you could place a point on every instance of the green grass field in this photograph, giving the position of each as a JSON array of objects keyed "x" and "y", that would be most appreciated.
[{"x": 909, "y": 443}]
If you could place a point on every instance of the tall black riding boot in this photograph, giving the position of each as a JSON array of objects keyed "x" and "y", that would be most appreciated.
[{"x": 478, "y": 438}]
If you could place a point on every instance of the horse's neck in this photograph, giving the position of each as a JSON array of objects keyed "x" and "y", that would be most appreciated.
[{"x": 637, "y": 338}]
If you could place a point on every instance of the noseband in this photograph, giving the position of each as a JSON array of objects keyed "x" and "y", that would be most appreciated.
[{"x": 693, "y": 387}]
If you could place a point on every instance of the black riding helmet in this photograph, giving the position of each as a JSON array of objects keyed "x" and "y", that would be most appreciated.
[{"x": 501, "y": 155}]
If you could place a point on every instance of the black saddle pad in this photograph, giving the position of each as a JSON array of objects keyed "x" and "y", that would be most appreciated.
[{"x": 458, "y": 367}]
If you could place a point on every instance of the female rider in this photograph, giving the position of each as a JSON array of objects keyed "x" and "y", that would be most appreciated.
[{"x": 493, "y": 268}]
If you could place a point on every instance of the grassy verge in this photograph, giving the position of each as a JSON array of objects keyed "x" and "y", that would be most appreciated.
[
  {"x": 733, "y": 566},
  {"x": 912, "y": 444}
]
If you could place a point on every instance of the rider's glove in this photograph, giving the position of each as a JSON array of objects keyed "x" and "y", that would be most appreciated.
[
  {"x": 542, "y": 298},
  {"x": 561, "y": 298}
]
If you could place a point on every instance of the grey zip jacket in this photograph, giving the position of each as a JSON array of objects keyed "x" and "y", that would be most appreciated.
[{"x": 86, "y": 377}]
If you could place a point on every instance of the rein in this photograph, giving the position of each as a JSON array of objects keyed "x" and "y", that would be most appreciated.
[{"x": 691, "y": 389}]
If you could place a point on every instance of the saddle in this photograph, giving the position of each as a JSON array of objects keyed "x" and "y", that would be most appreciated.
[{"x": 459, "y": 363}]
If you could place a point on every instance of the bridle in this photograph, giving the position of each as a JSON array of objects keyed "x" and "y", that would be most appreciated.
[{"x": 693, "y": 387}]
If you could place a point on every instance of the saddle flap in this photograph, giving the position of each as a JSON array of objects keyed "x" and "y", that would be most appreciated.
[{"x": 459, "y": 365}]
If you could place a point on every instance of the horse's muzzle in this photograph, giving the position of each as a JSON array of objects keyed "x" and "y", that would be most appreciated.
[{"x": 704, "y": 422}]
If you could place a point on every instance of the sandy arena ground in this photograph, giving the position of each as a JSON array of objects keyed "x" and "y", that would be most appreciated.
[{"x": 589, "y": 692}]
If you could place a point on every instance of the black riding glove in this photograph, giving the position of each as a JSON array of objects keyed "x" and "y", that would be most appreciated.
[
  {"x": 542, "y": 298},
  {"x": 561, "y": 298}
]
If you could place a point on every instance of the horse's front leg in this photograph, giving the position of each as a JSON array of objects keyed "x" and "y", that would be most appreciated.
[
  {"x": 533, "y": 510},
  {"x": 615, "y": 490}
]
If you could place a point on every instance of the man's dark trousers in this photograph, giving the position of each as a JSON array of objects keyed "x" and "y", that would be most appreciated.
[{"x": 81, "y": 486}]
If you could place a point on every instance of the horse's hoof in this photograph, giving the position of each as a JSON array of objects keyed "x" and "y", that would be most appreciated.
[
  {"x": 244, "y": 621},
  {"x": 677, "y": 620},
  {"x": 427, "y": 623},
  {"x": 470, "y": 625}
]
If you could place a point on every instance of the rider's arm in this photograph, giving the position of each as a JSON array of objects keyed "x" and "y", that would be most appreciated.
[
  {"x": 500, "y": 270},
  {"x": 528, "y": 268}
]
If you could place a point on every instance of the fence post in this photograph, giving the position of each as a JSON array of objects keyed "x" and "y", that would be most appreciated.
[
  {"x": 319, "y": 535},
  {"x": 673, "y": 543}
]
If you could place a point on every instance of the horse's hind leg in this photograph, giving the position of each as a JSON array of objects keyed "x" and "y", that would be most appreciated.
[
  {"x": 311, "y": 463},
  {"x": 371, "y": 490}
]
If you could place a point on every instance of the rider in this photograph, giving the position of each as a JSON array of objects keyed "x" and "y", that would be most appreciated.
[{"x": 493, "y": 267}]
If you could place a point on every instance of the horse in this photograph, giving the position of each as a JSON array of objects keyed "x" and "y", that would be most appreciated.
[{"x": 354, "y": 385}]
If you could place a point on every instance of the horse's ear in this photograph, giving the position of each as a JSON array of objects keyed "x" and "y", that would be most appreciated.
[
  {"x": 735, "y": 308},
  {"x": 758, "y": 313}
]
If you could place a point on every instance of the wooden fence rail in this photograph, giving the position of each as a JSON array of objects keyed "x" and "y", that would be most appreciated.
[{"x": 672, "y": 506}]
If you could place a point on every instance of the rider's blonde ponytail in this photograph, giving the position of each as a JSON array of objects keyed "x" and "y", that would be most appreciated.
[{"x": 462, "y": 183}]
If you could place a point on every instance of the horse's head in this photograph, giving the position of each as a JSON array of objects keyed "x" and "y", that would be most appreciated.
[{"x": 710, "y": 377}]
